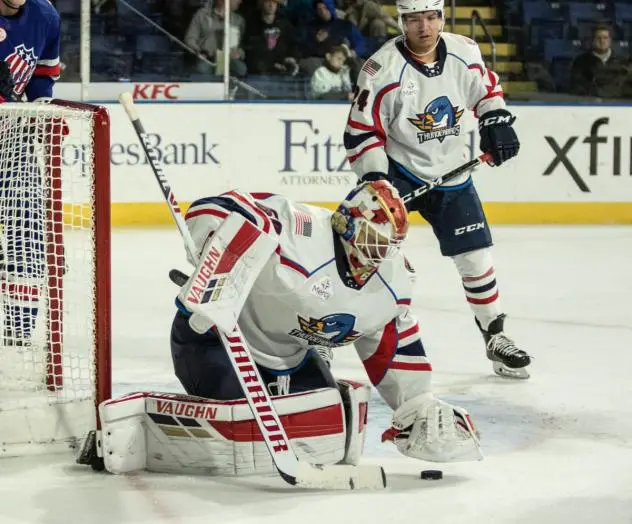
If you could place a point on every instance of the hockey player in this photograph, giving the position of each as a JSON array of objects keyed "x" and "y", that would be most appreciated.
[
  {"x": 405, "y": 125},
  {"x": 333, "y": 279},
  {"x": 29, "y": 66}
]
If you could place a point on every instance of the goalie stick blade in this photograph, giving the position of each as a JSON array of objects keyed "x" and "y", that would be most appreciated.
[
  {"x": 339, "y": 477},
  {"x": 89, "y": 454}
]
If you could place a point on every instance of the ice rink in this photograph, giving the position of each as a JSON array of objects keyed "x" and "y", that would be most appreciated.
[{"x": 558, "y": 447}]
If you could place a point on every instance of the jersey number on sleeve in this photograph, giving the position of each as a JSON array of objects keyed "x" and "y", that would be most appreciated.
[{"x": 360, "y": 98}]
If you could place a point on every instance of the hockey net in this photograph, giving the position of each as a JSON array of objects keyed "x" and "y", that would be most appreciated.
[{"x": 54, "y": 273}]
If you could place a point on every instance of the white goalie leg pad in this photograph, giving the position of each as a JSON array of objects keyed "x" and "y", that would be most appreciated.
[
  {"x": 229, "y": 264},
  {"x": 430, "y": 429},
  {"x": 355, "y": 397},
  {"x": 185, "y": 434},
  {"x": 123, "y": 438}
]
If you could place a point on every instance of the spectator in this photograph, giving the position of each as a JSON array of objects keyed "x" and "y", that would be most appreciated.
[
  {"x": 327, "y": 31},
  {"x": 205, "y": 35},
  {"x": 371, "y": 19},
  {"x": 598, "y": 72},
  {"x": 331, "y": 81},
  {"x": 270, "y": 43}
]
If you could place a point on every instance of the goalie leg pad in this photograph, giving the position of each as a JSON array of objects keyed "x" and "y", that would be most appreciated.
[
  {"x": 123, "y": 434},
  {"x": 355, "y": 397},
  {"x": 184, "y": 434}
]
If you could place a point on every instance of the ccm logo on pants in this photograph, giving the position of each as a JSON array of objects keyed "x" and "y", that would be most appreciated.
[{"x": 469, "y": 229}]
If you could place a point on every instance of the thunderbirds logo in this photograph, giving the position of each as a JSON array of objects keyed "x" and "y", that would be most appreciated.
[
  {"x": 329, "y": 331},
  {"x": 439, "y": 119}
]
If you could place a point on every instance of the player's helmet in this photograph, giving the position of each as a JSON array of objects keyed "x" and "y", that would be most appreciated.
[
  {"x": 405, "y": 7},
  {"x": 373, "y": 220}
]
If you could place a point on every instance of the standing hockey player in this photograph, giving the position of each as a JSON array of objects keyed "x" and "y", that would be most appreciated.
[
  {"x": 29, "y": 66},
  {"x": 333, "y": 279},
  {"x": 405, "y": 125}
]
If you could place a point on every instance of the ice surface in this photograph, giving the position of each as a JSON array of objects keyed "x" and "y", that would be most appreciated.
[{"x": 558, "y": 447}]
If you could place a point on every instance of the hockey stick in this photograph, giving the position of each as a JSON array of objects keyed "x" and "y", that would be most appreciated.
[
  {"x": 292, "y": 470},
  {"x": 429, "y": 186}
]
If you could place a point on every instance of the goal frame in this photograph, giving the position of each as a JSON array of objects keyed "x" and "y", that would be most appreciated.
[
  {"x": 102, "y": 254},
  {"x": 57, "y": 410}
]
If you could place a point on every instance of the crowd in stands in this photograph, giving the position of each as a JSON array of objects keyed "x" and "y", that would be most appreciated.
[
  {"x": 578, "y": 47},
  {"x": 315, "y": 48}
]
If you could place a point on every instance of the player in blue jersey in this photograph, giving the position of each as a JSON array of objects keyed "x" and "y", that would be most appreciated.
[{"x": 29, "y": 66}]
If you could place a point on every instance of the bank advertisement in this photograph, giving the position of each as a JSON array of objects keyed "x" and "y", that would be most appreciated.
[{"x": 568, "y": 154}]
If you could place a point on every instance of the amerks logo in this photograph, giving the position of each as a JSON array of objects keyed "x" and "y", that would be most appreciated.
[
  {"x": 439, "y": 120},
  {"x": 21, "y": 64}
]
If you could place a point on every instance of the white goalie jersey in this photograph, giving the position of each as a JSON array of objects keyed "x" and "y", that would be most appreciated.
[
  {"x": 303, "y": 299},
  {"x": 410, "y": 117}
]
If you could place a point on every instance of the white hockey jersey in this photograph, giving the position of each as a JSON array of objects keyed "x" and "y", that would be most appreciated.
[
  {"x": 412, "y": 113},
  {"x": 303, "y": 297}
]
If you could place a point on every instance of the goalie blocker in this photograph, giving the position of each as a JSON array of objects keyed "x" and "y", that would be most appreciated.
[{"x": 185, "y": 434}]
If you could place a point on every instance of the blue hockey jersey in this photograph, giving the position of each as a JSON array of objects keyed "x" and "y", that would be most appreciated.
[{"x": 29, "y": 43}]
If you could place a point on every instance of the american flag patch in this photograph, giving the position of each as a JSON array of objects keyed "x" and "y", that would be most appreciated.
[
  {"x": 371, "y": 67},
  {"x": 303, "y": 224}
]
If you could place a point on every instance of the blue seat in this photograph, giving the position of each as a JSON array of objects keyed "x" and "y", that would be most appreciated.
[
  {"x": 560, "y": 48},
  {"x": 542, "y": 21},
  {"x": 540, "y": 30},
  {"x": 589, "y": 11},
  {"x": 622, "y": 49},
  {"x": 152, "y": 44},
  {"x": 540, "y": 10},
  {"x": 68, "y": 7},
  {"x": 623, "y": 11}
]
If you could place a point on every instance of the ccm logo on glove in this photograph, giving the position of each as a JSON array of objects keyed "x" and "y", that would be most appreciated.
[
  {"x": 498, "y": 138},
  {"x": 497, "y": 120}
]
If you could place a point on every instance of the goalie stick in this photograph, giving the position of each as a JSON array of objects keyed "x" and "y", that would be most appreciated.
[
  {"x": 429, "y": 186},
  {"x": 292, "y": 470}
]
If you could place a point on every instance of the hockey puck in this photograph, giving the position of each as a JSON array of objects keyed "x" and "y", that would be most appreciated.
[{"x": 432, "y": 474}]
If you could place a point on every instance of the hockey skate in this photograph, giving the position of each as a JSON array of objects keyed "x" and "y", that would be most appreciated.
[{"x": 508, "y": 361}]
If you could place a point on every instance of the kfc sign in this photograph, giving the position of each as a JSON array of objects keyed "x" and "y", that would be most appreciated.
[{"x": 156, "y": 91}]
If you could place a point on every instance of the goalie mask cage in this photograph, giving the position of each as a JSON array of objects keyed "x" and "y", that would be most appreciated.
[{"x": 54, "y": 273}]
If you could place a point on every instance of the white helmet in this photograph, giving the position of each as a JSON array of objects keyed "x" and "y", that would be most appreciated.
[{"x": 405, "y": 7}]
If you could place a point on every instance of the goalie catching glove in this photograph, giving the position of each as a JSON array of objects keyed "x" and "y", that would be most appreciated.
[{"x": 429, "y": 429}]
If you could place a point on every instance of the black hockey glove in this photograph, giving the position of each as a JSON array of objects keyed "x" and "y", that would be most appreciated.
[
  {"x": 497, "y": 136},
  {"x": 6, "y": 83}
]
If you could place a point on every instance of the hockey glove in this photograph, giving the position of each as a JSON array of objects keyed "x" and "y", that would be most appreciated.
[
  {"x": 498, "y": 137},
  {"x": 6, "y": 83},
  {"x": 432, "y": 430}
]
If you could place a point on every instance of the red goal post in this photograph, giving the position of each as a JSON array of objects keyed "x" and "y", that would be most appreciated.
[{"x": 55, "y": 303}]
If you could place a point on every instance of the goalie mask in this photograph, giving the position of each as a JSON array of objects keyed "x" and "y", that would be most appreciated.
[{"x": 372, "y": 221}]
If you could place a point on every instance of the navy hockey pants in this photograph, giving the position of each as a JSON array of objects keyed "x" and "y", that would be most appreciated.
[
  {"x": 204, "y": 369},
  {"x": 454, "y": 212}
]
